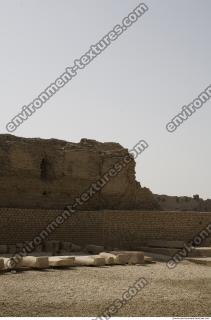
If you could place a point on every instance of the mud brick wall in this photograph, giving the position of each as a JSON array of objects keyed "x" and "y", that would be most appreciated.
[
  {"x": 50, "y": 174},
  {"x": 122, "y": 229}
]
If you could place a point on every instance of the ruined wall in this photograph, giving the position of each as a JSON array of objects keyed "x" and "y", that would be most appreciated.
[
  {"x": 175, "y": 203},
  {"x": 121, "y": 229},
  {"x": 38, "y": 173}
]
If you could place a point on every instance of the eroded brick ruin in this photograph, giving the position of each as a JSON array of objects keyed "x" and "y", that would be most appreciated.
[
  {"x": 38, "y": 178},
  {"x": 50, "y": 174}
]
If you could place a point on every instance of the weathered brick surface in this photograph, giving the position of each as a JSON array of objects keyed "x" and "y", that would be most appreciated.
[
  {"x": 50, "y": 174},
  {"x": 120, "y": 229}
]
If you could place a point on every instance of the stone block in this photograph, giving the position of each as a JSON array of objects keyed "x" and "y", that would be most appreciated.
[
  {"x": 35, "y": 262},
  {"x": 165, "y": 244},
  {"x": 61, "y": 261},
  {"x": 89, "y": 261}
]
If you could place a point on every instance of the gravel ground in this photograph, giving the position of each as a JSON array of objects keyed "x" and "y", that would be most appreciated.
[{"x": 88, "y": 291}]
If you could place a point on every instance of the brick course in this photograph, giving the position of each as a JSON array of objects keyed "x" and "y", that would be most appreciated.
[{"x": 122, "y": 229}]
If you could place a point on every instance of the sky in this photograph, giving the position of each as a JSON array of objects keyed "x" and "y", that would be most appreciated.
[{"x": 128, "y": 93}]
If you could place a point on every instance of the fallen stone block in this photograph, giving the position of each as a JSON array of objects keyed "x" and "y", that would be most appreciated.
[
  {"x": 109, "y": 258},
  {"x": 35, "y": 262},
  {"x": 166, "y": 251},
  {"x": 89, "y": 261},
  {"x": 120, "y": 258},
  {"x": 12, "y": 264},
  {"x": 132, "y": 257},
  {"x": 136, "y": 258},
  {"x": 94, "y": 249},
  {"x": 203, "y": 261},
  {"x": 158, "y": 257},
  {"x": 165, "y": 244},
  {"x": 200, "y": 252},
  {"x": 61, "y": 262},
  {"x": 3, "y": 249},
  {"x": 148, "y": 259}
]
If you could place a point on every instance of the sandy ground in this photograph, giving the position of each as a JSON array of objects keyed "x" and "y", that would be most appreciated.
[{"x": 88, "y": 291}]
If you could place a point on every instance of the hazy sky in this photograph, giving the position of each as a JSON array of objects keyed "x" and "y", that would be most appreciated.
[{"x": 128, "y": 93}]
